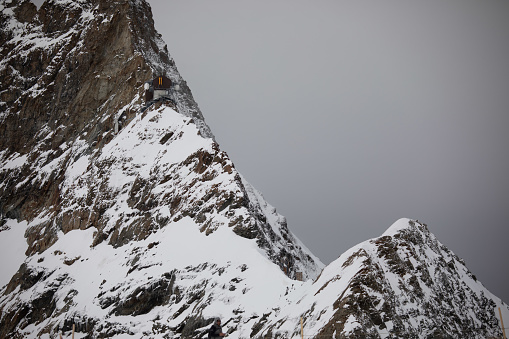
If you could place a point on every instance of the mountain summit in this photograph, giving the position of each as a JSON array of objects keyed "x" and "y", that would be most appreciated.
[{"x": 121, "y": 215}]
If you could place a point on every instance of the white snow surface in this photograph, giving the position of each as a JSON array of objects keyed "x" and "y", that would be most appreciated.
[
  {"x": 12, "y": 248},
  {"x": 178, "y": 246}
]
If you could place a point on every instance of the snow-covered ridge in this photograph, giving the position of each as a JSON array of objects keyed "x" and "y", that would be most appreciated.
[{"x": 106, "y": 264}]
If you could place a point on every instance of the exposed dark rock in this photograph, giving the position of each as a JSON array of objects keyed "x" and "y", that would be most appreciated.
[
  {"x": 145, "y": 298},
  {"x": 25, "y": 278}
]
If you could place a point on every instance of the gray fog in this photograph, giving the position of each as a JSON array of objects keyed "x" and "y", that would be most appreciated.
[{"x": 350, "y": 115}]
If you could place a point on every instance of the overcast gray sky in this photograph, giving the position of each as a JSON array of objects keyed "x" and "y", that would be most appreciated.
[{"x": 348, "y": 115}]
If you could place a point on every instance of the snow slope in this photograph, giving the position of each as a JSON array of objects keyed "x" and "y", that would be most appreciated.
[{"x": 231, "y": 275}]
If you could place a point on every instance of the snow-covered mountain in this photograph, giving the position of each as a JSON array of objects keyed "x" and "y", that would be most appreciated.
[{"x": 127, "y": 220}]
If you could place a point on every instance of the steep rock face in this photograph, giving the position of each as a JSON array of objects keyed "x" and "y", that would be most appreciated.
[{"x": 70, "y": 70}]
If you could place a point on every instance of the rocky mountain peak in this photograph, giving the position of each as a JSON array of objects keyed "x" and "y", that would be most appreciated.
[
  {"x": 406, "y": 283},
  {"x": 86, "y": 160}
]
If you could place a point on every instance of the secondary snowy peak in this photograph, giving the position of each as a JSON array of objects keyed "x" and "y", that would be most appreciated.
[{"x": 404, "y": 284}]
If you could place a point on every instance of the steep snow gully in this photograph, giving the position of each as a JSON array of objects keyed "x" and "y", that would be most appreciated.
[{"x": 121, "y": 220}]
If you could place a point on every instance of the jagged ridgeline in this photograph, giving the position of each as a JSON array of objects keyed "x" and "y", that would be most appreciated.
[{"x": 121, "y": 216}]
